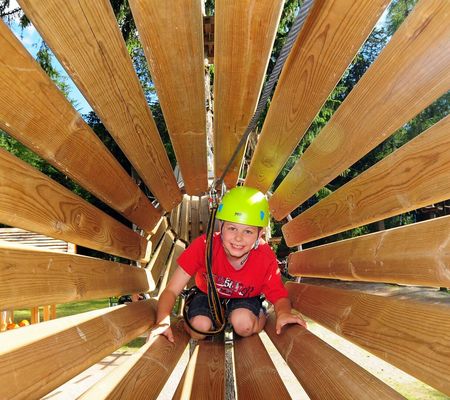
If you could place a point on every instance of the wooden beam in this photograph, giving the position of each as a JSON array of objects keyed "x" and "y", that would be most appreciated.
[
  {"x": 32, "y": 277},
  {"x": 195, "y": 220},
  {"x": 416, "y": 175},
  {"x": 172, "y": 37},
  {"x": 411, "y": 72},
  {"x": 244, "y": 35},
  {"x": 31, "y": 358},
  {"x": 205, "y": 374},
  {"x": 417, "y": 254},
  {"x": 86, "y": 39},
  {"x": 37, "y": 114},
  {"x": 184, "y": 218},
  {"x": 328, "y": 42},
  {"x": 410, "y": 334},
  {"x": 159, "y": 258},
  {"x": 30, "y": 200},
  {"x": 256, "y": 375},
  {"x": 144, "y": 374},
  {"x": 158, "y": 232},
  {"x": 324, "y": 372}
]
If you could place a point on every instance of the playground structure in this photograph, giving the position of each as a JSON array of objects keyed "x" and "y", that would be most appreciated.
[{"x": 407, "y": 325}]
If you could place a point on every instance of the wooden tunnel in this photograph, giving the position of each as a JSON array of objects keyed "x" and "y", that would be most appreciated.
[{"x": 403, "y": 325}]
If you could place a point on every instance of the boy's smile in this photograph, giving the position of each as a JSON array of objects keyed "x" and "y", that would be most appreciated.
[{"x": 238, "y": 239}]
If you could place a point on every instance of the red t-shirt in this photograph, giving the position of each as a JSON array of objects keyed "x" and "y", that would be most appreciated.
[{"x": 259, "y": 275}]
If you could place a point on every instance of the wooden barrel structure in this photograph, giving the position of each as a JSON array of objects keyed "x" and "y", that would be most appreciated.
[{"x": 346, "y": 290}]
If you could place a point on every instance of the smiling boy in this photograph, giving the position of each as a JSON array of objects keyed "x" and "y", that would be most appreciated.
[{"x": 244, "y": 268}]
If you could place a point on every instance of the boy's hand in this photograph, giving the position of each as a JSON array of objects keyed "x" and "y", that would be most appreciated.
[
  {"x": 288, "y": 318},
  {"x": 163, "y": 328}
]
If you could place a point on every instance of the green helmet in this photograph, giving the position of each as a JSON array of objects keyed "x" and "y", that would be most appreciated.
[{"x": 244, "y": 205}]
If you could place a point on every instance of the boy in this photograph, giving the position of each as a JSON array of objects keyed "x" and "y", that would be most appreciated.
[{"x": 244, "y": 267}]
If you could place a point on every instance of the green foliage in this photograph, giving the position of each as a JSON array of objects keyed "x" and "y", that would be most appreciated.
[{"x": 398, "y": 11}]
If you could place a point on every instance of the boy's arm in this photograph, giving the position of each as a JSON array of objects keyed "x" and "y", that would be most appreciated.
[
  {"x": 166, "y": 302},
  {"x": 286, "y": 315}
]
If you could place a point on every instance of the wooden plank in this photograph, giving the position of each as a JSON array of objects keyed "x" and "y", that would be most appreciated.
[
  {"x": 204, "y": 213},
  {"x": 410, "y": 334},
  {"x": 85, "y": 37},
  {"x": 177, "y": 70},
  {"x": 416, "y": 175},
  {"x": 324, "y": 372},
  {"x": 244, "y": 34},
  {"x": 159, "y": 258},
  {"x": 30, "y": 200},
  {"x": 195, "y": 220},
  {"x": 144, "y": 374},
  {"x": 32, "y": 277},
  {"x": 36, "y": 113},
  {"x": 392, "y": 91},
  {"x": 184, "y": 219},
  {"x": 74, "y": 342},
  {"x": 417, "y": 254},
  {"x": 175, "y": 219},
  {"x": 328, "y": 42},
  {"x": 204, "y": 377},
  {"x": 158, "y": 232},
  {"x": 256, "y": 375}
]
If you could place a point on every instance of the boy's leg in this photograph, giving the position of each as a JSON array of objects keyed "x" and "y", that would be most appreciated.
[
  {"x": 199, "y": 316},
  {"x": 246, "y": 315}
]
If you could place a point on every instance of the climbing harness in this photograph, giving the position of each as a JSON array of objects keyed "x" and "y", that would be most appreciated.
[{"x": 217, "y": 305}]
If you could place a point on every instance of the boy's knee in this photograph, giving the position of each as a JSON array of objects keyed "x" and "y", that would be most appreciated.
[
  {"x": 201, "y": 323},
  {"x": 244, "y": 322}
]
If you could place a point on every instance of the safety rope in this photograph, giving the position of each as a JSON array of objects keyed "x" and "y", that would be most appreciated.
[{"x": 214, "y": 301}]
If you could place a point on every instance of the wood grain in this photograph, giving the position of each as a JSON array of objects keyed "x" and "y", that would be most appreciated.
[
  {"x": 30, "y": 200},
  {"x": 256, "y": 375},
  {"x": 417, "y": 254},
  {"x": 410, "y": 73},
  {"x": 37, "y": 114},
  {"x": 243, "y": 37},
  {"x": 324, "y": 372},
  {"x": 172, "y": 38},
  {"x": 32, "y": 277},
  {"x": 410, "y": 334},
  {"x": 328, "y": 42},
  {"x": 144, "y": 374},
  {"x": 416, "y": 175},
  {"x": 85, "y": 38},
  {"x": 204, "y": 377},
  {"x": 37, "y": 359}
]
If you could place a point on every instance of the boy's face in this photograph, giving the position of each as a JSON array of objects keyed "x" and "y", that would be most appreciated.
[{"x": 238, "y": 239}]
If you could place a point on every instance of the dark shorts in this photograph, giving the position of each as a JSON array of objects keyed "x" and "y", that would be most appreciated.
[{"x": 199, "y": 305}]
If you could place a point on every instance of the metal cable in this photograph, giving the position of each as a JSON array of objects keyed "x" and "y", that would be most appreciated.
[{"x": 270, "y": 83}]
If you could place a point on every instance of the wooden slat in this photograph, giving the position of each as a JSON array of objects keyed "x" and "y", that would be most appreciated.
[
  {"x": 410, "y": 334},
  {"x": 256, "y": 375},
  {"x": 244, "y": 34},
  {"x": 37, "y": 114},
  {"x": 330, "y": 38},
  {"x": 175, "y": 219},
  {"x": 159, "y": 257},
  {"x": 37, "y": 359},
  {"x": 204, "y": 213},
  {"x": 417, "y": 254},
  {"x": 195, "y": 220},
  {"x": 85, "y": 37},
  {"x": 184, "y": 218},
  {"x": 204, "y": 377},
  {"x": 416, "y": 175},
  {"x": 32, "y": 201},
  {"x": 323, "y": 371},
  {"x": 31, "y": 277},
  {"x": 172, "y": 37},
  {"x": 410, "y": 73},
  {"x": 158, "y": 232},
  {"x": 144, "y": 374}
]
